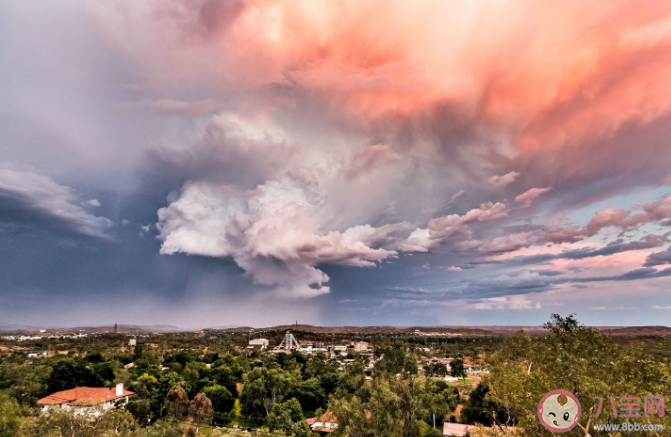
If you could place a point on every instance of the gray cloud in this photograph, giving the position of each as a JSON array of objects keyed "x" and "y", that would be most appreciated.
[
  {"x": 658, "y": 258},
  {"x": 33, "y": 201}
]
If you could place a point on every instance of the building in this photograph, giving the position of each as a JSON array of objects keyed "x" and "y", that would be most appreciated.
[
  {"x": 86, "y": 400},
  {"x": 132, "y": 342},
  {"x": 36, "y": 354},
  {"x": 325, "y": 424},
  {"x": 456, "y": 429},
  {"x": 361, "y": 346},
  {"x": 257, "y": 344},
  {"x": 461, "y": 430}
]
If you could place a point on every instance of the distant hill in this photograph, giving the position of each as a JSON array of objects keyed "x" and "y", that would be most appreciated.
[
  {"x": 421, "y": 330},
  {"x": 126, "y": 329},
  {"x": 463, "y": 330}
]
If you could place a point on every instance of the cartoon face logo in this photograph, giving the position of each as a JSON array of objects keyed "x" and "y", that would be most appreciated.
[{"x": 559, "y": 411}]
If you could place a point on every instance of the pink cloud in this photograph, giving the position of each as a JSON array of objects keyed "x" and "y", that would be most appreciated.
[
  {"x": 369, "y": 159},
  {"x": 528, "y": 196},
  {"x": 441, "y": 229}
]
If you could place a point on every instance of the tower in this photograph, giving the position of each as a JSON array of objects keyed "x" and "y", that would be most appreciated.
[{"x": 289, "y": 341}]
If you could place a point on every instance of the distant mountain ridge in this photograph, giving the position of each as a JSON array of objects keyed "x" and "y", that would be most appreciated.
[
  {"x": 381, "y": 329},
  {"x": 10, "y": 328}
]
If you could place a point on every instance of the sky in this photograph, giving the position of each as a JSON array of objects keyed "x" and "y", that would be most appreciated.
[{"x": 259, "y": 162}]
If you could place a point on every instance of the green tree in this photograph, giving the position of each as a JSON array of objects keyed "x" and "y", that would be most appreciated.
[
  {"x": 310, "y": 395},
  {"x": 68, "y": 373},
  {"x": 288, "y": 417},
  {"x": 480, "y": 409},
  {"x": 263, "y": 388},
  {"x": 105, "y": 372},
  {"x": 575, "y": 358},
  {"x": 398, "y": 407},
  {"x": 10, "y": 416},
  {"x": 396, "y": 361},
  {"x": 457, "y": 368},
  {"x": 222, "y": 401},
  {"x": 60, "y": 423},
  {"x": 163, "y": 428}
]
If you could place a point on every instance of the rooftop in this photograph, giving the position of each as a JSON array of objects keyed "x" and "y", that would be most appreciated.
[{"x": 84, "y": 396}]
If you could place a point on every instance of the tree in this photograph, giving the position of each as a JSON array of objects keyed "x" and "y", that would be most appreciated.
[
  {"x": 222, "y": 401},
  {"x": 435, "y": 369},
  {"x": 177, "y": 402},
  {"x": 398, "y": 407},
  {"x": 10, "y": 416},
  {"x": 68, "y": 373},
  {"x": 264, "y": 388},
  {"x": 575, "y": 358},
  {"x": 309, "y": 394},
  {"x": 288, "y": 417},
  {"x": 164, "y": 428},
  {"x": 480, "y": 409},
  {"x": 201, "y": 411},
  {"x": 395, "y": 361},
  {"x": 59, "y": 423},
  {"x": 457, "y": 368},
  {"x": 104, "y": 371}
]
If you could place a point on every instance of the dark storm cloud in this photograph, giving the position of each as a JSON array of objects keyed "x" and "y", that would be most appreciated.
[
  {"x": 31, "y": 201},
  {"x": 530, "y": 281}
]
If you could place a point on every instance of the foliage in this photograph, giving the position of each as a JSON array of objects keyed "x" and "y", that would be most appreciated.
[
  {"x": 200, "y": 410},
  {"x": 61, "y": 423},
  {"x": 457, "y": 368},
  {"x": 288, "y": 417},
  {"x": 177, "y": 402},
  {"x": 264, "y": 388},
  {"x": 310, "y": 394},
  {"x": 68, "y": 373},
  {"x": 222, "y": 399},
  {"x": 572, "y": 357},
  {"x": 10, "y": 416},
  {"x": 398, "y": 407},
  {"x": 481, "y": 410}
]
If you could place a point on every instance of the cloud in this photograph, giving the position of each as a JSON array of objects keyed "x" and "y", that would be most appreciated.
[
  {"x": 453, "y": 269},
  {"x": 661, "y": 307},
  {"x": 505, "y": 303},
  {"x": 502, "y": 181},
  {"x": 648, "y": 242},
  {"x": 176, "y": 107},
  {"x": 618, "y": 308},
  {"x": 369, "y": 159},
  {"x": 36, "y": 202},
  {"x": 527, "y": 197},
  {"x": 528, "y": 281},
  {"x": 347, "y": 300},
  {"x": 497, "y": 245},
  {"x": 625, "y": 220},
  {"x": 442, "y": 229},
  {"x": 274, "y": 233},
  {"x": 457, "y": 195},
  {"x": 658, "y": 258},
  {"x": 93, "y": 203}
]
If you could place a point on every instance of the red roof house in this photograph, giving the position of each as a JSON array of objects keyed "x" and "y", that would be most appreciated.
[{"x": 86, "y": 397}]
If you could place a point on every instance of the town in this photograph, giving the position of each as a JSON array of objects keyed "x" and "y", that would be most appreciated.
[{"x": 268, "y": 382}]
